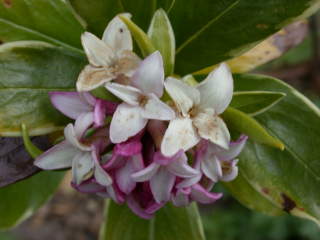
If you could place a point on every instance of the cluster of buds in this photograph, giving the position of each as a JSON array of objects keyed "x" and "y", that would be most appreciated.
[{"x": 148, "y": 148}]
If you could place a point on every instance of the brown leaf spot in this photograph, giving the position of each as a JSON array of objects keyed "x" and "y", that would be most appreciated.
[
  {"x": 265, "y": 190},
  {"x": 262, "y": 26},
  {"x": 7, "y": 3},
  {"x": 288, "y": 204}
]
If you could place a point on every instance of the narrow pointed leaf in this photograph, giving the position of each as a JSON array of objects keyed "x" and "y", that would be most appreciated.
[
  {"x": 141, "y": 38},
  {"x": 29, "y": 70},
  {"x": 255, "y": 102},
  {"x": 32, "y": 149},
  {"x": 243, "y": 123},
  {"x": 20, "y": 200},
  {"x": 169, "y": 223},
  {"x": 287, "y": 180},
  {"x": 50, "y": 21},
  {"x": 162, "y": 37}
]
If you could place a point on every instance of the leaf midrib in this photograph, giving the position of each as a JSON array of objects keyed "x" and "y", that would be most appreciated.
[
  {"x": 48, "y": 38},
  {"x": 205, "y": 27}
]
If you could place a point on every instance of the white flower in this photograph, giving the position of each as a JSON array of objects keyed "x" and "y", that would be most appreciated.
[
  {"x": 198, "y": 109},
  {"x": 141, "y": 101},
  {"x": 109, "y": 58}
]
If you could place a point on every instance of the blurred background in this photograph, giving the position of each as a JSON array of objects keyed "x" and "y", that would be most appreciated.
[{"x": 74, "y": 216}]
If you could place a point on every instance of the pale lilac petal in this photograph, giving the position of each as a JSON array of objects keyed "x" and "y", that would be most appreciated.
[
  {"x": 212, "y": 168},
  {"x": 71, "y": 104},
  {"x": 92, "y": 77},
  {"x": 161, "y": 185},
  {"x": 180, "y": 168},
  {"x": 179, "y": 135},
  {"x": 231, "y": 172},
  {"x": 97, "y": 51},
  {"x": 180, "y": 199},
  {"x": 188, "y": 182},
  {"x": 212, "y": 128},
  {"x": 101, "y": 175},
  {"x": 88, "y": 186},
  {"x": 134, "y": 205},
  {"x": 217, "y": 89},
  {"x": 146, "y": 173},
  {"x": 156, "y": 109},
  {"x": 123, "y": 177},
  {"x": 99, "y": 113},
  {"x": 82, "y": 164},
  {"x": 234, "y": 150},
  {"x": 114, "y": 194},
  {"x": 117, "y": 35},
  {"x": 201, "y": 195},
  {"x": 127, "y": 94},
  {"x": 160, "y": 159},
  {"x": 149, "y": 77},
  {"x": 184, "y": 96},
  {"x": 126, "y": 122},
  {"x": 58, "y": 157},
  {"x": 71, "y": 137},
  {"x": 83, "y": 122}
]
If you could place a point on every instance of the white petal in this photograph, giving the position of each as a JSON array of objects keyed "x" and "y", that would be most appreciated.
[
  {"x": 83, "y": 122},
  {"x": 201, "y": 195},
  {"x": 126, "y": 122},
  {"x": 234, "y": 150},
  {"x": 93, "y": 77},
  {"x": 101, "y": 175},
  {"x": 188, "y": 182},
  {"x": 212, "y": 128},
  {"x": 184, "y": 96},
  {"x": 179, "y": 135},
  {"x": 146, "y": 173},
  {"x": 230, "y": 175},
  {"x": 217, "y": 89},
  {"x": 128, "y": 94},
  {"x": 149, "y": 77},
  {"x": 211, "y": 167},
  {"x": 58, "y": 157},
  {"x": 157, "y": 110},
  {"x": 71, "y": 104},
  {"x": 71, "y": 137},
  {"x": 117, "y": 35},
  {"x": 180, "y": 168},
  {"x": 82, "y": 163},
  {"x": 98, "y": 53},
  {"x": 161, "y": 185}
]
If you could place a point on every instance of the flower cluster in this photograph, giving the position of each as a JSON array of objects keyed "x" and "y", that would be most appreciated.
[{"x": 141, "y": 150}]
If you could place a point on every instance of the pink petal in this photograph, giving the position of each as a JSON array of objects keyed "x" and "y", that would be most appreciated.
[
  {"x": 71, "y": 104},
  {"x": 146, "y": 173},
  {"x": 149, "y": 77},
  {"x": 188, "y": 182},
  {"x": 199, "y": 194},
  {"x": 83, "y": 122},
  {"x": 180, "y": 167},
  {"x": 212, "y": 168},
  {"x": 136, "y": 208},
  {"x": 88, "y": 186},
  {"x": 234, "y": 150},
  {"x": 128, "y": 148},
  {"x": 123, "y": 177}
]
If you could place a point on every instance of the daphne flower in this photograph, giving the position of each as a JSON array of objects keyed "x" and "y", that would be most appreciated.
[
  {"x": 162, "y": 173},
  {"x": 198, "y": 109},
  {"x": 73, "y": 152},
  {"x": 141, "y": 100},
  {"x": 109, "y": 58},
  {"x": 74, "y": 104},
  {"x": 219, "y": 164}
]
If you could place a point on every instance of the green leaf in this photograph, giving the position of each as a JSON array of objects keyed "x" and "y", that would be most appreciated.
[
  {"x": 20, "y": 200},
  {"x": 208, "y": 32},
  {"x": 170, "y": 223},
  {"x": 255, "y": 102},
  {"x": 29, "y": 70},
  {"x": 142, "y": 39},
  {"x": 288, "y": 180},
  {"x": 50, "y": 21},
  {"x": 243, "y": 123},
  {"x": 162, "y": 37}
]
